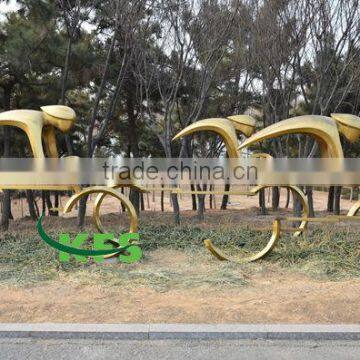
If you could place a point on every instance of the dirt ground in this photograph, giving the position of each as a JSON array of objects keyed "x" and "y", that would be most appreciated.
[
  {"x": 272, "y": 297},
  {"x": 173, "y": 286},
  {"x": 152, "y": 202}
]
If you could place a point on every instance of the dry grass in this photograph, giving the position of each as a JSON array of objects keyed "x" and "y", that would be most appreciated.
[{"x": 174, "y": 256}]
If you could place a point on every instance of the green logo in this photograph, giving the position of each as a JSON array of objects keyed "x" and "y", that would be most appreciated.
[{"x": 128, "y": 252}]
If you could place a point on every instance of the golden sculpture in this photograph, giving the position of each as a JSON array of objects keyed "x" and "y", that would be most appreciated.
[
  {"x": 322, "y": 128},
  {"x": 39, "y": 126},
  {"x": 103, "y": 191},
  {"x": 349, "y": 126},
  {"x": 325, "y": 130},
  {"x": 275, "y": 236},
  {"x": 225, "y": 128}
]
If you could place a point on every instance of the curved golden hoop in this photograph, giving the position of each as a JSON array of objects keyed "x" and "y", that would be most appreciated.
[
  {"x": 103, "y": 191},
  {"x": 302, "y": 198},
  {"x": 127, "y": 203},
  {"x": 293, "y": 188},
  {"x": 275, "y": 236},
  {"x": 354, "y": 209},
  {"x": 276, "y": 230}
]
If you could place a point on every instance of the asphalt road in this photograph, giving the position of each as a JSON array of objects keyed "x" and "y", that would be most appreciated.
[{"x": 19, "y": 349}]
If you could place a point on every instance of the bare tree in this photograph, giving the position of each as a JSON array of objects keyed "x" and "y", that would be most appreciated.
[
  {"x": 189, "y": 46},
  {"x": 331, "y": 72},
  {"x": 123, "y": 17}
]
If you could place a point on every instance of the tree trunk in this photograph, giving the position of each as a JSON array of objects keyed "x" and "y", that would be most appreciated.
[
  {"x": 356, "y": 193},
  {"x": 297, "y": 208},
  {"x": 309, "y": 194},
  {"x": 94, "y": 116},
  {"x": 287, "y": 198},
  {"x": 5, "y": 210},
  {"x": 275, "y": 199},
  {"x": 142, "y": 204},
  {"x": 176, "y": 208},
  {"x": 225, "y": 198},
  {"x": 49, "y": 204},
  {"x": 6, "y": 203},
  {"x": 65, "y": 74},
  {"x": 166, "y": 143},
  {"x": 201, "y": 202},
  {"x": 36, "y": 207},
  {"x": 43, "y": 203},
  {"x": 330, "y": 203},
  {"x": 122, "y": 205},
  {"x": 31, "y": 203},
  {"x": 132, "y": 135},
  {"x": 193, "y": 198},
  {"x": 135, "y": 199},
  {"x": 56, "y": 203},
  {"x": 82, "y": 211},
  {"x": 337, "y": 198},
  {"x": 262, "y": 202},
  {"x": 162, "y": 200},
  {"x": 201, "y": 209}
]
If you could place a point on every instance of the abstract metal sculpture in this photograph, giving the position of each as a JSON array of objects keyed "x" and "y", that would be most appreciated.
[
  {"x": 39, "y": 126},
  {"x": 325, "y": 130},
  {"x": 226, "y": 129}
]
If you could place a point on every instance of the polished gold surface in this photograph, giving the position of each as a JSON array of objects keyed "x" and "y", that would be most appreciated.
[
  {"x": 39, "y": 125},
  {"x": 261, "y": 155},
  {"x": 222, "y": 127},
  {"x": 103, "y": 191},
  {"x": 276, "y": 231},
  {"x": 252, "y": 192},
  {"x": 245, "y": 124},
  {"x": 326, "y": 219},
  {"x": 31, "y": 122},
  {"x": 275, "y": 236},
  {"x": 225, "y": 128},
  {"x": 302, "y": 198},
  {"x": 59, "y": 112},
  {"x": 59, "y": 116},
  {"x": 349, "y": 126},
  {"x": 323, "y": 129},
  {"x": 354, "y": 209}
]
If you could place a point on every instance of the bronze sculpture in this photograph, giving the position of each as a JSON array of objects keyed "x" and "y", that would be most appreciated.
[
  {"x": 325, "y": 130},
  {"x": 40, "y": 126}
]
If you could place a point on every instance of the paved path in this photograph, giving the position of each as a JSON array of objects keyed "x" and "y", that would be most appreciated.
[{"x": 19, "y": 349}]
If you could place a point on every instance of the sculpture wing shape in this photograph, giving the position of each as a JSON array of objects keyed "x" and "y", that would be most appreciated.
[
  {"x": 222, "y": 127},
  {"x": 322, "y": 128}
]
